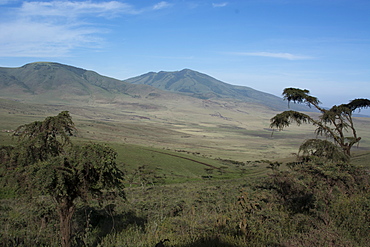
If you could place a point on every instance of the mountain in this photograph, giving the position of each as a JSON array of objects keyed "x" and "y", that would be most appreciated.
[
  {"x": 55, "y": 82},
  {"x": 199, "y": 85},
  {"x": 46, "y": 82}
]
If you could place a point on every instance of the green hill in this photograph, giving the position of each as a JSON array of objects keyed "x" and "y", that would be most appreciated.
[
  {"x": 46, "y": 82},
  {"x": 53, "y": 82},
  {"x": 195, "y": 84}
]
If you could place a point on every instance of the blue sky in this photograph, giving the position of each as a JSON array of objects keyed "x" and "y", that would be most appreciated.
[{"x": 321, "y": 45}]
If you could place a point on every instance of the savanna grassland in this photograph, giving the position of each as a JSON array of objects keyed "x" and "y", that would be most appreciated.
[{"x": 199, "y": 173}]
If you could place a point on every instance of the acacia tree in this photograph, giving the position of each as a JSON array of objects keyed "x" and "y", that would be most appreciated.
[
  {"x": 49, "y": 164},
  {"x": 335, "y": 124}
]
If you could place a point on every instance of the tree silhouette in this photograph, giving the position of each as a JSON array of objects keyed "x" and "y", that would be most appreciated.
[{"x": 335, "y": 124}]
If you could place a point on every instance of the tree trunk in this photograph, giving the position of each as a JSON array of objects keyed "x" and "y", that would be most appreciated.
[
  {"x": 347, "y": 151},
  {"x": 66, "y": 210}
]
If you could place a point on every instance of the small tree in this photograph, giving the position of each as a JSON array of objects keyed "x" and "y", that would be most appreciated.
[
  {"x": 336, "y": 124},
  {"x": 51, "y": 165},
  {"x": 40, "y": 140},
  {"x": 85, "y": 173}
]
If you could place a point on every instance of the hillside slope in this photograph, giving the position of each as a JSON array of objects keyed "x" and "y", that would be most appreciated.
[
  {"x": 49, "y": 83},
  {"x": 53, "y": 82},
  {"x": 202, "y": 86}
]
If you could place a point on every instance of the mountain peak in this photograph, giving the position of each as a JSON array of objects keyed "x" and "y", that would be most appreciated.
[
  {"x": 199, "y": 85},
  {"x": 179, "y": 71},
  {"x": 186, "y": 70},
  {"x": 52, "y": 66},
  {"x": 57, "y": 81}
]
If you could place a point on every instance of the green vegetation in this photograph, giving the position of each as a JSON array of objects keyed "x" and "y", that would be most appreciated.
[
  {"x": 182, "y": 196},
  {"x": 313, "y": 205},
  {"x": 44, "y": 162}
]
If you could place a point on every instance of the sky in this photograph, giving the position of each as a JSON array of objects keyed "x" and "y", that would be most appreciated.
[{"x": 268, "y": 45}]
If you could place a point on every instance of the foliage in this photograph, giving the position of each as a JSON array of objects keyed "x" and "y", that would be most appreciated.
[
  {"x": 300, "y": 96},
  {"x": 334, "y": 124},
  {"x": 322, "y": 149},
  {"x": 310, "y": 204},
  {"x": 46, "y": 163},
  {"x": 297, "y": 207},
  {"x": 319, "y": 194},
  {"x": 41, "y": 140},
  {"x": 81, "y": 172}
]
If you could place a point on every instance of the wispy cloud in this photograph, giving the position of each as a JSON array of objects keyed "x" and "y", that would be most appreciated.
[
  {"x": 161, "y": 5},
  {"x": 74, "y": 9},
  {"x": 281, "y": 55},
  {"x": 219, "y": 5},
  {"x": 36, "y": 39},
  {"x": 56, "y": 28}
]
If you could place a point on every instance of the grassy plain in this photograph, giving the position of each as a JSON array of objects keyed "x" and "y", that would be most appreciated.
[
  {"x": 179, "y": 139},
  {"x": 216, "y": 129}
]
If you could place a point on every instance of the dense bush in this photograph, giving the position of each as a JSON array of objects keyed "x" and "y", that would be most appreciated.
[
  {"x": 310, "y": 204},
  {"x": 325, "y": 204}
]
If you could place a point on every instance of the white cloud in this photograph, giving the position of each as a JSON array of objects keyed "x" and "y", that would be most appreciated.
[
  {"x": 72, "y": 9},
  {"x": 161, "y": 5},
  {"x": 218, "y": 5},
  {"x": 36, "y": 39},
  {"x": 56, "y": 28},
  {"x": 288, "y": 56}
]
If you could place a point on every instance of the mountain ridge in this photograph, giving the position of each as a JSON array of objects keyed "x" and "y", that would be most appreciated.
[
  {"x": 56, "y": 82},
  {"x": 200, "y": 85},
  {"x": 61, "y": 82}
]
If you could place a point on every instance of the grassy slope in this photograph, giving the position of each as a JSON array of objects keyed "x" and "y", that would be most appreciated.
[{"x": 200, "y": 85}]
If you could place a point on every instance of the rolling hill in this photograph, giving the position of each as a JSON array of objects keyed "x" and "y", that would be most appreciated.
[
  {"x": 48, "y": 82},
  {"x": 199, "y": 85},
  {"x": 53, "y": 82}
]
